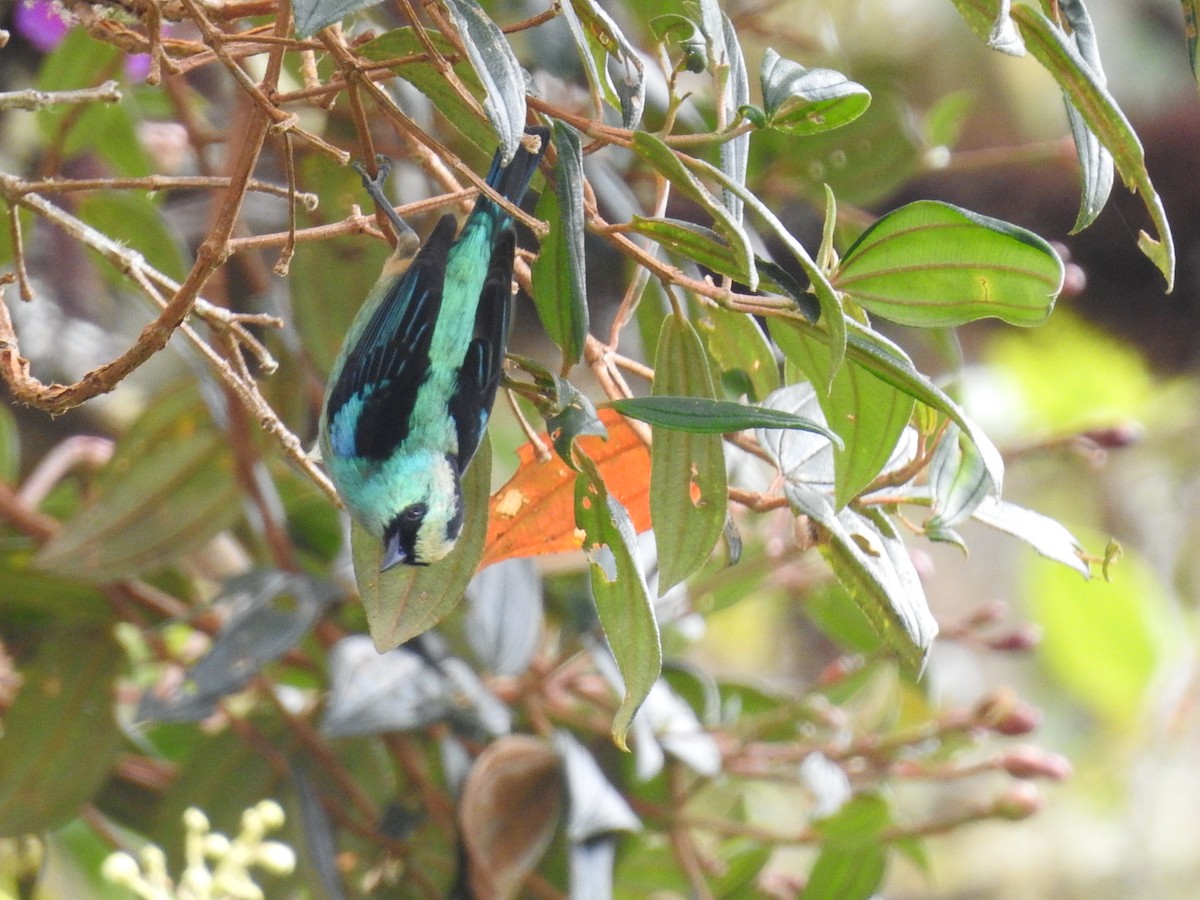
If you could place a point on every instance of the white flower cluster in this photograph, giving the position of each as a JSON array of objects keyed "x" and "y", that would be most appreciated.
[{"x": 216, "y": 867}]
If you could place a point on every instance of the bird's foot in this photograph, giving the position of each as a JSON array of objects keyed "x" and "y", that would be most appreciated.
[{"x": 374, "y": 187}]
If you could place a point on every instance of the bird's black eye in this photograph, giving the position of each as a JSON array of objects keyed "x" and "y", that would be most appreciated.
[{"x": 414, "y": 514}]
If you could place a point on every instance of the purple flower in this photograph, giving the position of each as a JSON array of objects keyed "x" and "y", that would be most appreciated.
[
  {"x": 40, "y": 22},
  {"x": 44, "y": 24}
]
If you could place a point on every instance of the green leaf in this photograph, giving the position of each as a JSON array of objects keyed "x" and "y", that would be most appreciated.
[
  {"x": 1190, "y": 18},
  {"x": 1047, "y": 536},
  {"x": 569, "y": 414},
  {"x": 865, "y": 162},
  {"x": 425, "y": 77},
  {"x": 992, "y": 21},
  {"x": 313, "y": 15},
  {"x": 858, "y": 821},
  {"x": 853, "y": 859},
  {"x": 847, "y": 873},
  {"x": 599, "y": 39},
  {"x": 60, "y": 735},
  {"x": 736, "y": 343},
  {"x": 133, "y": 219},
  {"x": 958, "y": 480},
  {"x": 889, "y": 363},
  {"x": 832, "y": 316},
  {"x": 869, "y": 559},
  {"x": 496, "y": 65},
  {"x": 40, "y": 599},
  {"x": 804, "y": 101},
  {"x": 688, "y": 491},
  {"x": 930, "y": 264},
  {"x": 706, "y": 247},
  {"x": 866, "y": 413},
  {"x": 672, "y": 28},
  {"x": 10, "y": 447},
  {"x": 408, "y": 600},
  {"x": 665, "y": 161},
  {"x": 108, "y": 129},
  {"x": 697, "y": 415},
  {"x": 1095, "y": 163},
  {"x": 735, "y": 153},
  {"x": 559, "y": 273},
  {"x": 623, "y": 601},
  {"x": 1099, "y": 110},
  {"x": 167, "y": 490}
]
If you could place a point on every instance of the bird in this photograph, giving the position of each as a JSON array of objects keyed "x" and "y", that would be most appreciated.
[{"x": 411, "y": 390}]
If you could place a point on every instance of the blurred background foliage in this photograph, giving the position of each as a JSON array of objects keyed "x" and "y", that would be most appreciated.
[{"x": 185, "y": 518}]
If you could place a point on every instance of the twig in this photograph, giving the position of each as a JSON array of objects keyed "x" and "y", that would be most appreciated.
[{"x": 35, "y": 99}]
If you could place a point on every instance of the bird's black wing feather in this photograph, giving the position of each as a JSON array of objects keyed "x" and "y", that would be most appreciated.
[
  {"x": 391, "y": 361},
  {"x": 480, "y": 375}
]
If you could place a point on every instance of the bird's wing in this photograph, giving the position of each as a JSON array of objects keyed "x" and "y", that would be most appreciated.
[
  {"x": 390, "y": 359},
  {"x": 480, "y": 375}
]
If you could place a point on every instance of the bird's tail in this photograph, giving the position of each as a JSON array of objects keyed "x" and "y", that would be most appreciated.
[{"x": 512, "y": 181}]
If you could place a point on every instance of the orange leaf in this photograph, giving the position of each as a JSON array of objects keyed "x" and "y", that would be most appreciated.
[{"x": 534, "y": 513}]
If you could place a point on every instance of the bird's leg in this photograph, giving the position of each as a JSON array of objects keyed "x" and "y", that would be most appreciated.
[{"x": 374, "y": 187}]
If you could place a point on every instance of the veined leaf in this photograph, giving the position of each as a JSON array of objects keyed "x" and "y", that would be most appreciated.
[
  {"x": 697, "y": 415},
  {"x": 1047, "y": 536},
  {"x": 866, "y": 413},
  {"x": 930, "y": 264},
  {"x": 688, "y": 491},
  {"x": 167, "y": 489},
  {"x": 313, "y": 15},
  {"x": 704, "y": 246},
  {"x": 804, "y": 101},
  {"x": 958, "y": 480},
  {"x": 400, "y": 43},
  {"x": 1095, "y": 162},
  {"x": 889, "y": 363},
  {"x": 622, "y": 601},
  {"x": 833, "y": 317},
  {"x": 497, "y": 67},
  {"x": 559, "y": 273},
  {"x": 735, "y": 94},
  {"x": 1190, "y": 18},
  {"x": 672, "y": 28},
  {"x": 665, "y": 161},
  {"x": 741, "y": 351},
  {"x": 60, "y": 733},
  {"x": 600, "y": 40},
  {"x": 1099, "y": 110},
  {"x": 407, "y": 600},
  {"x": 869, "y": 559}
]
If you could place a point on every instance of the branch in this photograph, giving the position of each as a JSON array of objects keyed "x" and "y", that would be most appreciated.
[{"x": 34, "y": 99}]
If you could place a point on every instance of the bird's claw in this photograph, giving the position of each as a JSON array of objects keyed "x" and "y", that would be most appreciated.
[
  {"x": 383, "y": 168},
  {"x": 374, "y": 187}
]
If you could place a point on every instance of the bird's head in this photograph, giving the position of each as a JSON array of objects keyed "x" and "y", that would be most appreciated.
[{"x": 427, "y": 517}]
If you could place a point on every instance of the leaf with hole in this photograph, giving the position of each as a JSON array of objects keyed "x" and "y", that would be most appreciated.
[
  {"x": 619, "y": 590},
  {"x": 688, "y": 491}
]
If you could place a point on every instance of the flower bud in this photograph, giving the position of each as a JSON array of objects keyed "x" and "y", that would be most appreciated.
[
  {"x": 1034, "y": 762},
  {"x": 1020, "y": 801}
]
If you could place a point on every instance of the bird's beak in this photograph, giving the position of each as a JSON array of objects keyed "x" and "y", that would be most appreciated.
[{"x": 393, "y": 555}]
